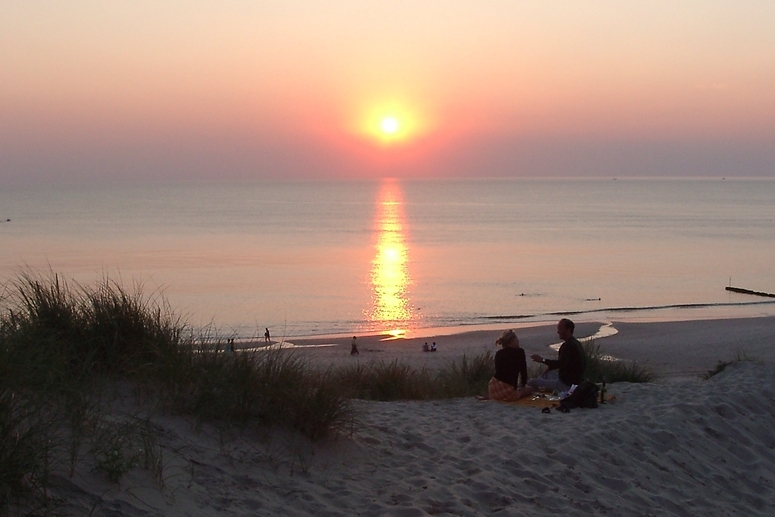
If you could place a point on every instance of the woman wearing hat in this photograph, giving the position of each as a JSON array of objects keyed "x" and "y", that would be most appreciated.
[{"x": 508, "y": 384}]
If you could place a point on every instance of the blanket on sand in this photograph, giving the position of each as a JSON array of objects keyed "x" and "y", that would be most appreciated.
[{"x": 542, "y": 400}]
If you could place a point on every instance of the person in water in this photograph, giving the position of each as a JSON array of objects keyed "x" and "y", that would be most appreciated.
[{"x": 508, "y": 383}]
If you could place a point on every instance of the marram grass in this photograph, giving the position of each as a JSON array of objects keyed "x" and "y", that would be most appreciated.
[
  {"x": 63, "y": 345},
  {"x": 601, "y": 367},
  {"x": 397, "y": 380}
]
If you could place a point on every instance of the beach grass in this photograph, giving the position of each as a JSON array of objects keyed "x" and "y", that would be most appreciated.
[
  {"x": 396, "y": 380},
  {"x": 468, "y": 376},
  {"x": 265, "y": 387},
  {"x": 380, "y": 380},
  {"x": 61, "y": 336},
  {"x": 64, "y": 348},
  {"x": 602, "y": 367},
  {"x": 25, "y": 430},
  {"x": 722, "y": 365}
]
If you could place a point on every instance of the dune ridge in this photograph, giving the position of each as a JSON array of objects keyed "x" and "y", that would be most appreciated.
[{"x": 692, "y": 447}]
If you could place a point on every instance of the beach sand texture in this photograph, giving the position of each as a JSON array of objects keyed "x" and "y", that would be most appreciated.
[{"x": 687, "y": 447}]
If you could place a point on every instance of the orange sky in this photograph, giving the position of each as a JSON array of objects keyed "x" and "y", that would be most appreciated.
[{"x": 177, "y": 89}]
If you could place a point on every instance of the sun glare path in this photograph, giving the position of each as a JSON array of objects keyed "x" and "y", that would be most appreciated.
[{"x": 390, "y": 273}]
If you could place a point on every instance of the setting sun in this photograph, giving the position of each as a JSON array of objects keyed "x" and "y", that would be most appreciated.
[
  {"x": 391, "y": 122},
  {"x": 389, "y": 125}
]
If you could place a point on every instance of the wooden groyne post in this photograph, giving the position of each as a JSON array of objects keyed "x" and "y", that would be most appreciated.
[{"x": 748, "y": 291}]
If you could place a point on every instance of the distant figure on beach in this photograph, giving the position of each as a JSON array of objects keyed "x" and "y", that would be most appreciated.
[
  {"x": 354, "y": 347},
  {"x": 433, "y": 347},
  {"x": 231, "y": 345},
  {"x": 508, "y": 383},
  {"x": 267, "y": 337},
  {"x": 568, "y": 368},
  {"x": 426, "y": 348}
]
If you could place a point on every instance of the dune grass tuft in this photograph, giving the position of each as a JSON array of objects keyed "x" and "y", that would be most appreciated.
[
  {"x": 270, "y": 387},
  {"x": 24, "y": 449},
  {"x": 384, "y": 381},
  {"x": 61, "y": 337},
  {"x": 399, "y": 381},
  {"x": 468, "y": 377},
  {"x": 600, "y": 367},
  {"x": 62, "y": 346},
  {"x": 66, "y": 335},
  {"x": 722, "y": 365}
]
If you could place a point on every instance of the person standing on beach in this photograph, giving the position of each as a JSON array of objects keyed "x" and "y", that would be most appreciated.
[
  {"x": 354, "y": 347},
  {"x": 508, "y": 383},
  {"x": 267, "y": 338},
  {"x": 568, "y": 369}
]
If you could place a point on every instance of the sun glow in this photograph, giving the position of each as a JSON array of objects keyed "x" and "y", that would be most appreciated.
[
  {"x": 389, "y": 125},
  {"x": 392, "y": 123}
]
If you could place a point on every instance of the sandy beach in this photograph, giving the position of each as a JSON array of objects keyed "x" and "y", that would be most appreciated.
[{"x": 677, "y": 446}]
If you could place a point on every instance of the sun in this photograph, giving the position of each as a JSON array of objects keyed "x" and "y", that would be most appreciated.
[{"x": 389, "y": 125}]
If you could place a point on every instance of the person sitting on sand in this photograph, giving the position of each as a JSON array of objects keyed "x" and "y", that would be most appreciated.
[
  {"x": 568, "y": 369},
  {"x": 433, "y": 347},
  {"x": 354, "y": 347},
  {"x": 508, "y": 383},
  {"x": 426, "y": 348}
]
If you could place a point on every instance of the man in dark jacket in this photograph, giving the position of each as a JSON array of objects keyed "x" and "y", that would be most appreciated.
[{"x": 568, "y": 368}]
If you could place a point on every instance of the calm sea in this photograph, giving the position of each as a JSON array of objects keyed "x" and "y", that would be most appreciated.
[{"x": 353, "y": 257}]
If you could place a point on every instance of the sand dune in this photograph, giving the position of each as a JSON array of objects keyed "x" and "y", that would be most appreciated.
[{"x": 692, "y": 447}]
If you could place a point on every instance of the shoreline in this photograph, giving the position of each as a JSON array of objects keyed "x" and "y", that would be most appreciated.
[
  {"x": 672, "y": 349},
  {"x": 631, "y": 314}
]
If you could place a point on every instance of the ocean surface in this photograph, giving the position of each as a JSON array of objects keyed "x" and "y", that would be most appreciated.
[{"x": 319, "y": 258}]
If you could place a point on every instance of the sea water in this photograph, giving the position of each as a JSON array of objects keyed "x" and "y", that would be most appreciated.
[{"x": 313, "y": 258}]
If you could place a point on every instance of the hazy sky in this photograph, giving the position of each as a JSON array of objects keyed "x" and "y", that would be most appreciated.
[{"x": 162, "y": 89}]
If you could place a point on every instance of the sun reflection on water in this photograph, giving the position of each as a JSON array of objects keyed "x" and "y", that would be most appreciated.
[{"x": 390, "y": 278}]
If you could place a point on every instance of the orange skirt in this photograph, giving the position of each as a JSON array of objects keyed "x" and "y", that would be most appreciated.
[{"x": 499, "y": 390}]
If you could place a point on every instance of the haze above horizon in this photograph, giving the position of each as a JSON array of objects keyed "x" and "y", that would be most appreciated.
[{"x": 345, "y": 89}]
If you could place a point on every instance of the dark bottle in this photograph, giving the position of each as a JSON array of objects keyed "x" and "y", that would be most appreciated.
[{"x": 602, "y": 393}]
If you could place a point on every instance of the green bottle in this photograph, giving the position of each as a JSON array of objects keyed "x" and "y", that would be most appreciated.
[{"x": 602, "y": 393}]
